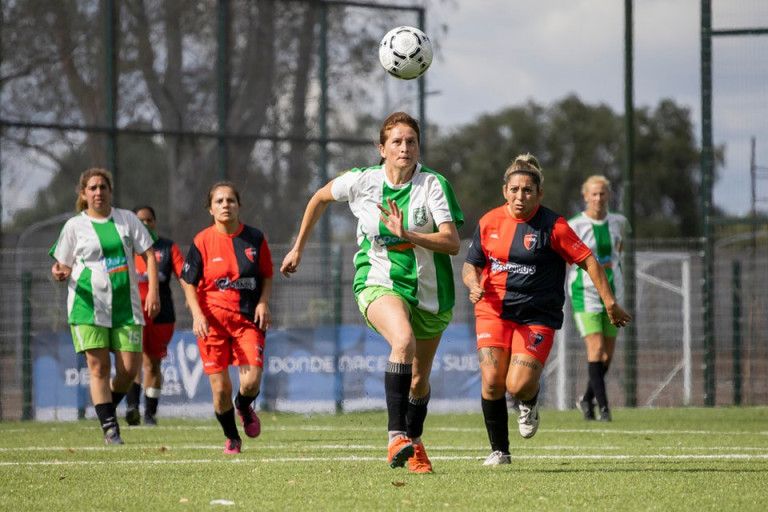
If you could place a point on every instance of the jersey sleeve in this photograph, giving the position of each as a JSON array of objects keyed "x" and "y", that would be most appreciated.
[
  {"x": 341, "y": 186},
  {"x": 192, "y": 271},
  {"x": 443, "y": 203},
  {"x": 567, "y": 243},
  {"x": 63, "y": 250},
  {"x": 475, "y": 255},
  {"x": 626, "y": 228},
  {"x": 177, "y": 260},
  {"x": 266, "y": 269}
]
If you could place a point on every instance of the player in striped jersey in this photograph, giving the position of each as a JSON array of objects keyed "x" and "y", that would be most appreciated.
[
  {"x": 603, "y": 232},
  {"x": 407, "y": 229},
  {"x": 515, "y": 273},
  {"x": 158, "y": 331},
  {"x": 95, "y": 252}
]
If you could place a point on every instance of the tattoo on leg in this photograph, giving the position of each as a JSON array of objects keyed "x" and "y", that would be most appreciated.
[
  {"x": 534, "y": 365},
  {"x": 487, "y": 357}
]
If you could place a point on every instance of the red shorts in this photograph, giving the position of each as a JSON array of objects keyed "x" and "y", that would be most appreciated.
[
  {"x": 156, "y": 338},
  {"x": 232, "y": 340},
  {"x": 534, "y": 340}
]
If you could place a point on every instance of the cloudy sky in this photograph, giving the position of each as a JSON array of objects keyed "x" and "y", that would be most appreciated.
[{"x": 498, "y": 53}]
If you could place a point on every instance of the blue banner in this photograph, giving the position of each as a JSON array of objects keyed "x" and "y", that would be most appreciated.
[{"x": 305, "y": 370}]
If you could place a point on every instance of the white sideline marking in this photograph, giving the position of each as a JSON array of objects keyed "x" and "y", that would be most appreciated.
[
  {"x": 349, "y": 447},
  {"x": 133, "y": 462},
  {"x": 330, "y": 428}
]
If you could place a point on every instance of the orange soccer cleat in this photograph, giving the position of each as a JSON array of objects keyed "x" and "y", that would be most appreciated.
[
  {"x": 400, "y": 449},
  {"x": 419, "y": 463}
]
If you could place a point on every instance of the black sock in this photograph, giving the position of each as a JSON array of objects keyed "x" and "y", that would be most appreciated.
[
  {"x": 415, "y": 416},
  {"x": 107, "y": 417},
  {"x": 227, "y": 422},
  {"x": 531, "y": 401},
  {"x": 596, "y": 373},
  {"x": 116, "y": 397},
  {"x": 132, "y": 397},
  {"x": 243, "y": 402},
  {"x": 589, "y": 394},
  {"x": 150, "y": 406},
  {"x": 397, "y": 385},
  {"x": 496, "y": 419}
]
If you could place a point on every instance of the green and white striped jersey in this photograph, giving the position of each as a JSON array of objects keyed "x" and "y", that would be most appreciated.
[
  {"x": 102, "y": 287},
  {"x": 606, "y": 240},
  {"x": 423, "y": 277}
]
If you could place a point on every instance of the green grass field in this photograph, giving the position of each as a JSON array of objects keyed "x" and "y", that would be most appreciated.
[{"x": 647, "y": 459}]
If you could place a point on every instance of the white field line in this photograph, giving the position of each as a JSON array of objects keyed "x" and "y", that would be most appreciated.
[
  {"x": 330, "y": 428},
  {"x": 237, "y": 460},
  {"x": 149, "y": 447}
]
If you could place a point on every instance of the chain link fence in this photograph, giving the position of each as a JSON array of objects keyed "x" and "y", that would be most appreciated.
[{"x": 669, "y": 356}]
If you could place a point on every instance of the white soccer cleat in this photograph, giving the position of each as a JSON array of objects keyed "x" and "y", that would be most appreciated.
[
  {"x": 528, "y": 421},
  {"x": 497, "y": 458}
]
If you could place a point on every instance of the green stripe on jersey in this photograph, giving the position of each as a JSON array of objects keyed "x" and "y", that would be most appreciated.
[
  {"x": 577, "y": 291},
  {"x": 362, "y": 266},
  {"x": 604, "y": 248},
  {"x": 403, "y": 268},
  {"x": 603, "y": 241},
  {"x": 117, "y": 268},
  {"x": 82, "y": 307}
]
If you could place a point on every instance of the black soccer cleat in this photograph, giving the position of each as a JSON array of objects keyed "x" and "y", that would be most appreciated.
[{"x": 587, "y": 409}]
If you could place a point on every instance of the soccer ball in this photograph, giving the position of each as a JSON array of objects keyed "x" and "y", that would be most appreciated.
[{"x": 405, "y": 52}]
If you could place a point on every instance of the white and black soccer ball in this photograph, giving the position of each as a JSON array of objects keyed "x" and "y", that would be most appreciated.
[{"x": 405, "y": 52}]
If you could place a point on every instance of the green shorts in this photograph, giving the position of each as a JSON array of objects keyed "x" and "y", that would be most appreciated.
[
  {"x": 126, "y": 338},
  {"x": 425, "y": 325},
  {"x": 593, "y": 323}
]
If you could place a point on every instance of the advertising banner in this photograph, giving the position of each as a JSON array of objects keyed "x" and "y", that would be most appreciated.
[{"x": 323, "y": 369}]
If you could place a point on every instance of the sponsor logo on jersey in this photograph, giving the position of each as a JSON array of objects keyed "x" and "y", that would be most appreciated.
[
  {"x": 483, "y": 335},
  {"x": 495, "y": 236},
  {"x": 250, "y": 253},
  {"x": 392, "y": 243},
  {"x": 115, "y": 265},
  {"x": 244, "y": 283},
  {"x": 529, "y": 240},
  {"x": 512, "y": 268},
  {"x": 217, "y": 259},
  {"x": 420, "y": 216}
]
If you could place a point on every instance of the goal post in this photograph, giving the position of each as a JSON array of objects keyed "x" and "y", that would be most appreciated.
[{"x": 664, "y": 332}]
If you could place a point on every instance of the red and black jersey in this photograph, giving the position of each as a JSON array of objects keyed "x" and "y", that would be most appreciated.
[
  {"x": 229, "y": 269},
  {"x": 523, "y": 262},
  {"x": 169, "y": 262}
]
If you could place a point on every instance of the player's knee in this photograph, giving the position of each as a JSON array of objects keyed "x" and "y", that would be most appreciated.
[
  {"x": 493, "y": 390},
  {"x": 522, "y": 390},
  {"x": 403, "y": 349}
]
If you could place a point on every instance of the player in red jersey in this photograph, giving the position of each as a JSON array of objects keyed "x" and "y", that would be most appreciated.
[
  {"x": 515, "y": 272},
  {"x": 227, "y": 280},
  {"x": 158, "y": 331}
]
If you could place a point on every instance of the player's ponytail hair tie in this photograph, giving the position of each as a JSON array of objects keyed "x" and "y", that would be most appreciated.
[{"x": 527, "y": 164}]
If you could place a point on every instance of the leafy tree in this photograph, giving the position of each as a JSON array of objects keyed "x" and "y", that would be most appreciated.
[
  {"x": 572, "y": 141},
  {"x": 167, "y": 55}
]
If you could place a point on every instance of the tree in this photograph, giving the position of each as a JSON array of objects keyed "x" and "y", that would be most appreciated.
[
  {"x": 167, "y": 55},
  {"x": 572, "y": 141}
]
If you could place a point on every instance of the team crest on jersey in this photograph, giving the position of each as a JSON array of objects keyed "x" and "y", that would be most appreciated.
[
  {"x": 420, "y": 216},
  {"x": 250, "y": 253},
  {"x": 529, "y": 240}
]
